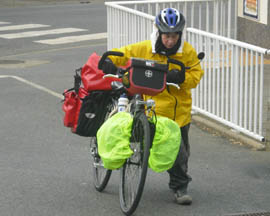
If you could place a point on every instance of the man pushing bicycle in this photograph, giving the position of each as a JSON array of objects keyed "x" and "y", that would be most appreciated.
[{"x": 167, "y": 42}]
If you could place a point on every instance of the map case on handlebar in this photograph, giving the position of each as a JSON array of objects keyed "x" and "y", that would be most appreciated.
[{"x": 147, "y": 77}]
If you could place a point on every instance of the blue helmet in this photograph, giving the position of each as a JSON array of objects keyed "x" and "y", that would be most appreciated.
[{"x": 170, "y": 20}]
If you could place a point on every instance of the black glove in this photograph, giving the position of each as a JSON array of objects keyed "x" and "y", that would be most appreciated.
[
  {"x": 176, "y": 76},
  {"x": 108, "y": 67}
]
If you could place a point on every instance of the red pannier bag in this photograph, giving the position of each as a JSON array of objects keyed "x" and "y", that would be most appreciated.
[
  {"x": 69, "y": 107},
  {"x": 92, "y": 77},
  {"x": 82, "y": 93},
  {"x": 72, "y": 105},
  {"x": 85, "y": 105}
]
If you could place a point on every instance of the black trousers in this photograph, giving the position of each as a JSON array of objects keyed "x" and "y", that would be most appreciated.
[{"x": 179, "y": 177}]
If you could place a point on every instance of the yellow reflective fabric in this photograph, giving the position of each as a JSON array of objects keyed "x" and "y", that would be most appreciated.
[
  {"x": 165, "y": 146},
  {"x": 113, "y": 140}
]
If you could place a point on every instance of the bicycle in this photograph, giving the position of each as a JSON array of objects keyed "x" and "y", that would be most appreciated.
[{"x": 134, "y": 171}]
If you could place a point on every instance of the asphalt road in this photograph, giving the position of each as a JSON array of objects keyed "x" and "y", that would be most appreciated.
[
  {"x": 45, "y": 169},
  {"x": 27, "y": 3}
]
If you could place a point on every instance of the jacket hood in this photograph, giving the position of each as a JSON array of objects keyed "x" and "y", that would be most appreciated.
[{"x": 155, "y": 35}]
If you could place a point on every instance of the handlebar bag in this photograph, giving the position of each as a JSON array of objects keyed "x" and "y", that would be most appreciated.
[
  {"x": 147, "y": 77},
  {"x": 113, "y": 140},
  {"x": 166, "y": 144},
  {"x": 92, "y": 77}
]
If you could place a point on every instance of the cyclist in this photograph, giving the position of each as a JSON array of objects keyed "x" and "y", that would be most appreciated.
[{"x": 167, "y": 41}]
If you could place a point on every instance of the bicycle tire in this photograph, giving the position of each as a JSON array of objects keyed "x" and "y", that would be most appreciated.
[
  {"x": 134, "y": 171},
  {"x": 101, "y": 175}
]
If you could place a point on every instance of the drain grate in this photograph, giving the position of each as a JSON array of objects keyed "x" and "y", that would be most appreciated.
[
  {"x": 11, "y": 62},
  {"x": 251, "y": 214}
]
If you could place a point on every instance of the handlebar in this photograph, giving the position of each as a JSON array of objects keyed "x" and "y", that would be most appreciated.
[
  {"x": 105, "y": 55},
  {"x": 121, "y": 71},
  {"x": 179, "y": 63},
  {"x": 182, "y": 66},
  {"x": 172, "y": 61}
]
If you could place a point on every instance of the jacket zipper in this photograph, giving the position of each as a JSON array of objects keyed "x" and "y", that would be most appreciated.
[{"x": 176, "y": 102}]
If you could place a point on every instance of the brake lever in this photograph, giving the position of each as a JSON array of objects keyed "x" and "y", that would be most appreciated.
[
  {"x": 174, "y": 85},
  {"x": 110, "y": 75}
]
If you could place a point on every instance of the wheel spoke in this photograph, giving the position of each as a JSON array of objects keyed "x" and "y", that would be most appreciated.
[
  {"x": 134, "y": 171},
  {"x": 100, "y": 174}
]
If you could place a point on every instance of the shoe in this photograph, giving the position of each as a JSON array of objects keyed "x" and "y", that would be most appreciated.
[{"x": 182, "y": 198}]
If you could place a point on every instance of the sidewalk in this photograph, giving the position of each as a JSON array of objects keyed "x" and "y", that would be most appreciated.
[{"x": 233, "y": 136}]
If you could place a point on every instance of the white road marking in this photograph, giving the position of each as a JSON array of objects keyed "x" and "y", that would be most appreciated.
[
  {"x": 72, "y": 39},
  {"x": 19, "y": 27},
  {"x": 4, "y": 23},
  {"x": 40, "y": 33},
  {"x": 23, "y": 64},
  {"x": 42, "y": 88}
]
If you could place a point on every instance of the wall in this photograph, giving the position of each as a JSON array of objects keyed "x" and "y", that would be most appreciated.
[
  {"x": 266, "y": 107},
  {"x": 254, "y": 30}
]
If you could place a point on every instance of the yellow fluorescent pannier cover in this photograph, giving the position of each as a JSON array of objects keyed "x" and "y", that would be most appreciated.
[
  {"x": 113, "y": 140},
  {"x": 165, "y": 146}
]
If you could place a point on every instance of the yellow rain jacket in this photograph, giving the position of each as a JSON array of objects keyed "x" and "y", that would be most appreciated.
[{"x": 172, "y": 103}]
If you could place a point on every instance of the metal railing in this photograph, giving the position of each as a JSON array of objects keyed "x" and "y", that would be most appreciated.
[
  {"x": 132, "y": 20},
  {"x": 231, "y": 90}
]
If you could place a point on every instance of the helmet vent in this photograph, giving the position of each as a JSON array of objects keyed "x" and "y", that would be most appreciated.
[{"x": 170, "y": 20}]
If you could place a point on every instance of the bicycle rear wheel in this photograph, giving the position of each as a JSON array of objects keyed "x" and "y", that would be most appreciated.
[
  {"x": 100, "y": 174},
  {"x": 134, "y": 171}
]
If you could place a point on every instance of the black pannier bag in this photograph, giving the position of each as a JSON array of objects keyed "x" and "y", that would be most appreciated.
[
  {"x": 93, "y": 112},
  {"x": 85, "y": 111}
]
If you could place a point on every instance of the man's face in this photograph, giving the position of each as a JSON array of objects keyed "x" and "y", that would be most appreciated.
[{"x": 169, "y": 39}]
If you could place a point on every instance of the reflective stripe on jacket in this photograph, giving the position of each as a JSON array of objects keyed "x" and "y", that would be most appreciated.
[{"x": 172, "y": 103}]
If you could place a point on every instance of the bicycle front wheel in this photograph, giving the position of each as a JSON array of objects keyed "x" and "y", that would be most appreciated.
[{"x": 134, "y": 171}]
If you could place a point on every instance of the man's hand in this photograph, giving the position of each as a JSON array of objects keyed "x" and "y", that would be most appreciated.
[
  {"x": 108, "y": 67},
  {"x": 176, "y": 76}
]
